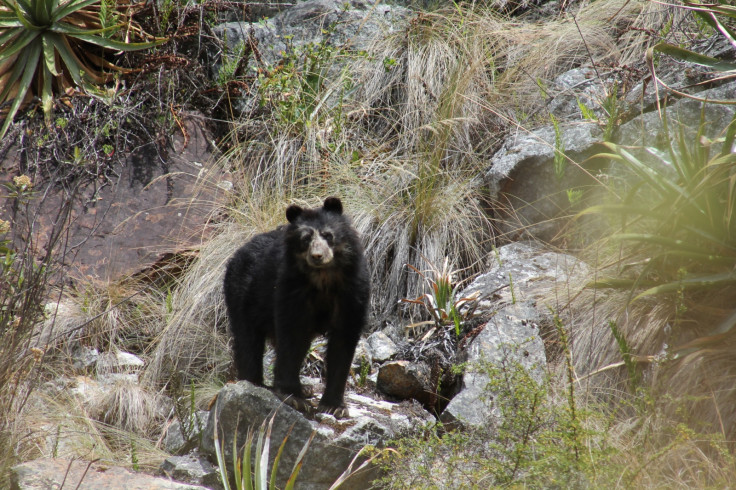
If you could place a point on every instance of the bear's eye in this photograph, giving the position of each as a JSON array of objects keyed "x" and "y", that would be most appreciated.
[
  {"x": 306, "y": 236},
  {"x": 328, "y": 236}
]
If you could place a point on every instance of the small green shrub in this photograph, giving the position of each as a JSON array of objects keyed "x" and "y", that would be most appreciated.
[{"x": 527, "y": 442}]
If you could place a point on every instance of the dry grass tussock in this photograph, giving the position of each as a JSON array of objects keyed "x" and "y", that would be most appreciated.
[
  {"x": 63, "y": 424},
  {"x": 510, "y": 63},
  {"x": 694, "y": 381}
]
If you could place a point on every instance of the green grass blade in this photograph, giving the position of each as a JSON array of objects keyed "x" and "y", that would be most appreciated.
[
  {"x": 70, "y": 60},
  {"x": 23, "y": 5},
  {"x": 15, "y": 74},
  {"x": 692, "y": 282},
  {"x": 47, "y": 95},
  {"x": 262, "y": 452},
  {"x": 236, "y": 464},
  {"x": 668, "y": 243},
  {"x": 277, "y": 459},
  {"x": 247, "y": 478},
  {"x": 615, "y": 283},
  {"x": 111, "y": 43},
  {"x": 23, "y": 14},
  {"x": 49, "y": 56},
  {"x": 693, "y": 57},
  {"x": 298, "y": 463},
  {"x": 729, "y": 138},
  {"x": 220, "y": 457},
  {"x": 20, "y": 43},
  {"x": 349, "y": 471},
  {"x": 42, "y": 11}
]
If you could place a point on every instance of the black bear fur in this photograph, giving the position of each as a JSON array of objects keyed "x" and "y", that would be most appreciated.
[{"x": 291, "y": 284}]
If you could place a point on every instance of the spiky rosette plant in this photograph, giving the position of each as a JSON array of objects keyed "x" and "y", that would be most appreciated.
[{"x": 48, "y": 47}]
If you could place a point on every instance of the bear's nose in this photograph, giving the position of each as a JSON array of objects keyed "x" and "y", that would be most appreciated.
[{"x": 317, "y": 256}]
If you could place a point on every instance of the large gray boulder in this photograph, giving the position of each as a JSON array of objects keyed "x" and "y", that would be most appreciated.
[
  {"x": 351, "y": 24},
  {"x": 241, "y": 406},
  {"x": 521, "y": 178},
  {"x": 510, "y": 340},
  {"x": 520, "y": 291},
  {"x": 647, "y": 129}
]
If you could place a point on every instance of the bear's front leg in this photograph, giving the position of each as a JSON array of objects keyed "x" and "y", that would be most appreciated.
[{"x": 340, "y": 350}]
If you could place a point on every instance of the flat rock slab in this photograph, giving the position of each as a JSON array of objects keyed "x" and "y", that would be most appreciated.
[
  {"x": 45, "y": 474},
  {"x": 241, "y": 406},
  {"x": 159, "y": 204}
]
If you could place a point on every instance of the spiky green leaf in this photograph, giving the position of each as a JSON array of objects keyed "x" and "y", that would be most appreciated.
[{"x": 693, "y": 57}]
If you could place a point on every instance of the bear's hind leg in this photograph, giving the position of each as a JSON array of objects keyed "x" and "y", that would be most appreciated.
[{"x": 248, "y": 348}]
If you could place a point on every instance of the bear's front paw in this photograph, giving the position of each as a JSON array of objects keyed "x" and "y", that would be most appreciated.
[
  {"x": 296, "y": 402},
  {"x": 340, "y": 412}
]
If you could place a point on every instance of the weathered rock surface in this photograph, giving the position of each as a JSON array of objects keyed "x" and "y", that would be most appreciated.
[
  {"x": 242, "y": 405},
  {"x": 647, "y": 129},
  {"x": 181, "y": 436},
  {"x": 192, "y": 468},
  {"x": 405, "y": 380},
  {"x": 352, "y": 24},
  {"x": 159, "y": 204},
  {"x": 521, "y": 178},
  {"x": 579, "y": 85},
  {"x": 509, "y": 340},
  {"x": 381, "y": 347},
  {"x": 537, "y": 274},
  {"x": 513, "y": 335},
  {"x": 45, "y": 474}
]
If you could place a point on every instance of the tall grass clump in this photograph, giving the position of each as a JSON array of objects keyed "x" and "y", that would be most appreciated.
[{"x": 193, "y": 341}]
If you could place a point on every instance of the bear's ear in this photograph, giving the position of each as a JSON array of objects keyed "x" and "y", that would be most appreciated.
[
  {"x": 293, "y": 212},
  {"x": 333, "y": 205}
]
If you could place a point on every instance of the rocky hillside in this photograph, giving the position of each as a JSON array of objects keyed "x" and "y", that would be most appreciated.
[{"x": 544, "y": 192}]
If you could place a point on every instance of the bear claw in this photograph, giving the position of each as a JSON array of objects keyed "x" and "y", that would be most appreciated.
[
  {"x": 340, "y": 412},
  {"x": 296, "y": 402}
]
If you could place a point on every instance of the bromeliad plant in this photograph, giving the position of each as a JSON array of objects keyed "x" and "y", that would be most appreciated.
[
  {"x": 50, "y": 46},
  {"x": 678, "y": 223},
  {"x": 443, "y": 303}
]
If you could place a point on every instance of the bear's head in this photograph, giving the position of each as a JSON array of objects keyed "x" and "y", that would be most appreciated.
[{"x": 315, "y": 233}]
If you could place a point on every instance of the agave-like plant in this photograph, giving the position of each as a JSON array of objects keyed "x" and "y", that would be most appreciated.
[
  {"x": 678, "y": 232},
  {"x": 50, "y": 46}
]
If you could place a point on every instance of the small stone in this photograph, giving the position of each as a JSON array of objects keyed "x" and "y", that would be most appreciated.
[{"x": 381, "y": 347}]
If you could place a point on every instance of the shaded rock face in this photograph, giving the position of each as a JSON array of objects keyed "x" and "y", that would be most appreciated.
[
  {"x": 521, "y": 178},
  {"x": 43, "y": 474},
  {"x": 159, "y": 203},
  {"x": 242, "y": 405}
]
